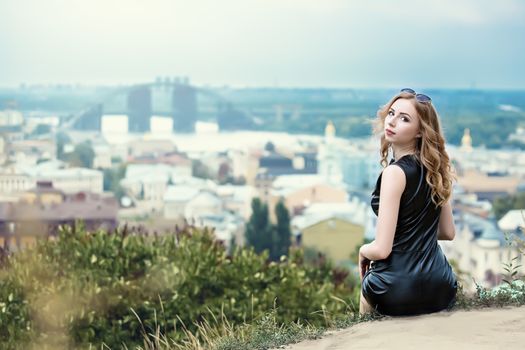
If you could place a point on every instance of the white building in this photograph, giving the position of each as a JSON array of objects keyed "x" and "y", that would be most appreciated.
[
  {"x": 161, "y": 125},
  {"x": 31, "y": 151},
  {"x": 206, "y": 127},
  {"x": 481, "y": 250},
  {"x": 69, "y": 180},
  {"x": 329, "y": 157},
  {"x": 353, "y": 211},
  {"x": 203, "y": 204},
  {"x": 114, "y": 128},
  {"x": 204, "y": 208},
  {"x": 102, "y": 157},
  {"x": 10, "y": 117},
  {"x": 147, "y": 185},
  {"x": 509, "y": 162},
  {"x": 147, "y": 191},
  {"x": 145, "y": 146},
  {"x": 175, "y": 174},
  {"x": 13, "y": 181},
  {"x": 72, "y": 180},
  {"x": 513, "y": 221},
  {"x": 244, "y": 164},
  {"x": 175, "y": 200}
]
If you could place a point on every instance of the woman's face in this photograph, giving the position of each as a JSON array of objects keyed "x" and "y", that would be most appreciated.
[{"x": 402, "y": 119}]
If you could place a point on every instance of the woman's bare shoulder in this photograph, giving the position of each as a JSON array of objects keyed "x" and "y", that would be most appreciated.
[{"x": 393, "y": 178}]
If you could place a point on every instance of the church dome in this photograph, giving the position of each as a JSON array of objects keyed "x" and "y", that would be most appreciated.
[
  {"x": 329, "y": 130},
  {"x": 466, "y": 140}
]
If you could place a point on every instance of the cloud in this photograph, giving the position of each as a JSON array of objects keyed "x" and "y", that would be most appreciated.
[{"x": 258, "y": 41}]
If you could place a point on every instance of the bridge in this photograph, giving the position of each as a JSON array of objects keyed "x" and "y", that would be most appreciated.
[{"x": 174, "y": 98}]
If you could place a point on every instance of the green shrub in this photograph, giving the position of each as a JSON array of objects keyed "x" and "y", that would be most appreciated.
[{"x": 114, "y": 287}]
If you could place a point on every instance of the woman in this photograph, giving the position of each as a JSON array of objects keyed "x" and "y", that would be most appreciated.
[{"x": 403, "y": 271}]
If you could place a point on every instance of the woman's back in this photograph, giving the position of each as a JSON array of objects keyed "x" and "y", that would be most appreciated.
[{"x": 416, "y": 277}]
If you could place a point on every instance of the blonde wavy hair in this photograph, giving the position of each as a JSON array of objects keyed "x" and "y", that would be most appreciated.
[{"x": 430, "y": 147}]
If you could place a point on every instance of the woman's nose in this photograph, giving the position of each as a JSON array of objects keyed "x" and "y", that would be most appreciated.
[{"x": 391, "y": 122}]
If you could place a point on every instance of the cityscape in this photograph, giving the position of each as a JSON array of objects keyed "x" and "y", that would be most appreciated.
[{"x": 169, "y": 153}]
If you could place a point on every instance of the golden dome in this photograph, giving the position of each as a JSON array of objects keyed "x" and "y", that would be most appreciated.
[
  {"x": 329, "y": 130},
  {"x": 466, "y": 140}
]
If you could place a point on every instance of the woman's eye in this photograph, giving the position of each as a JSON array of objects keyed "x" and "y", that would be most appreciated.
[{"x": 391, "y": 113}]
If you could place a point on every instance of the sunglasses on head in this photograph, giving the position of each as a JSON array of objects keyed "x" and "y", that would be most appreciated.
[{"x": 420, "y": 97}]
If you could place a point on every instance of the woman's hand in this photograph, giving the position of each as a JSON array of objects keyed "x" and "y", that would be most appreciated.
[{"x": 364, "y": 264}]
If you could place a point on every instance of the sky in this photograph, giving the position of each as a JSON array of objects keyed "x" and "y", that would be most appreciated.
[{"x": 274, "y": 43}]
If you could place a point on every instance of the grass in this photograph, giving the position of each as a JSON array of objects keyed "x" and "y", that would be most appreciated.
[
  {"x": 264, "y": 333},
  {"x": 267, "y": 333}
]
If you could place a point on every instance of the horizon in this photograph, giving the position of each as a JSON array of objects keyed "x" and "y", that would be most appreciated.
[{"x": 75, "y": 85}]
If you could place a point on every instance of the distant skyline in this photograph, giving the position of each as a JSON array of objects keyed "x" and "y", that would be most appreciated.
[{"x": 275, "y": 43}]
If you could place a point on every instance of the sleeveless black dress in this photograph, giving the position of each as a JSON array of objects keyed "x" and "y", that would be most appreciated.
[{"x": 416, "y": 277}]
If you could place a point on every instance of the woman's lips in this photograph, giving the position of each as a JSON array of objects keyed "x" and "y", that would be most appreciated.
[{"x": 388, "y": 132}]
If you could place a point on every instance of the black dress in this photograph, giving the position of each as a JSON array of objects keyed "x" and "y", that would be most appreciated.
[{"x": 416, "y": 277}]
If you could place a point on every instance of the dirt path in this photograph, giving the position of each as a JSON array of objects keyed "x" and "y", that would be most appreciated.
[{"x": 492, "y": 328}]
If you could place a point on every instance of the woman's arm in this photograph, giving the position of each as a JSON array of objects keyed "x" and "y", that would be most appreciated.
[
  {"x": 393, "y": 183},
  {"x": 446, "y": 228}
]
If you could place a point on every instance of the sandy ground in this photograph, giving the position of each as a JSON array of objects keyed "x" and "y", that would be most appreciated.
[{"x": 492, "y": 328}]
